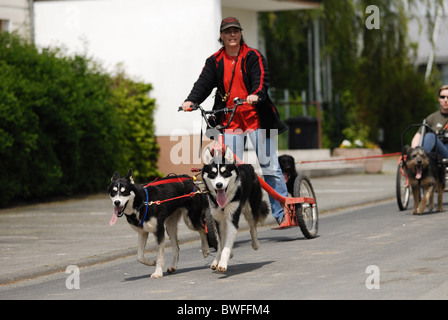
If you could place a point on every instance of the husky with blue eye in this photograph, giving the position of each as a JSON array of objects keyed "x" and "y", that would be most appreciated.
[{"x": 232, "y": 190}]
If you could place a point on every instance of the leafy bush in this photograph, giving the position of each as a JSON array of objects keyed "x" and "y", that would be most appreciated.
[
  {"x": 66, "y": 125},
  {"x": 135, "y": 109},
  {"x": 375, "y": 87}
]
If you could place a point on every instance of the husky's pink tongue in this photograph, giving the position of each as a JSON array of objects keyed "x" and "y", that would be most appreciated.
[
  {"x": 221, "y": 198},
  {"x": 418, "y": 175},
  {"x": 114, "y": 218}
]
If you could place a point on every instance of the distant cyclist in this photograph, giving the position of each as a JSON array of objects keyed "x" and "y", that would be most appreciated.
[{"x": 437, "y": 121}]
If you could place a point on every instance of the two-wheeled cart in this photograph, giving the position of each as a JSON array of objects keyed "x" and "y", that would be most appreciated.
[
  {"x": 402, "y": 185},
  {"x": 300, "y": 209}
]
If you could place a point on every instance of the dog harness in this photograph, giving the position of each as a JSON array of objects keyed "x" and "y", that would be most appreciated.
[
  {"x": 166, "y": 180},
  {"x": 146, "y": 208}
]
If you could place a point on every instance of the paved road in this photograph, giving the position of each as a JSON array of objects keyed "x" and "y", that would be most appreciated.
[
  {"x": 45, "y": 238},
  {"x": 407, "y": 253},
  {"x": 367, "y": 252}
]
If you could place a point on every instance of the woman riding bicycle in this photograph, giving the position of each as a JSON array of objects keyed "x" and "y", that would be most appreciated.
[{"x": 237, "y": 70}]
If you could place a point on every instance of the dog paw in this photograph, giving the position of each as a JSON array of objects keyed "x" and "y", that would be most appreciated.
[
  {"x": 157, "y": 275},
  {"x": 214, "y": 265},
  {"x": 222, "y": 266},
  {"x": 206, "y": 252},
  {"x": 171, "y": 270},
  {"x": 255, "y": 245},
  {"x": 221, "y": 269}
]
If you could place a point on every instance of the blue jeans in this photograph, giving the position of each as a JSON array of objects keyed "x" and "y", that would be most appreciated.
[
  {"x": 429, "y": 143},
  {"x": 266, "y": 151}
]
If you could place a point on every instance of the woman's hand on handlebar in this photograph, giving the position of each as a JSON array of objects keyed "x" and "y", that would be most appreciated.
[
  {"x": 186, "y": 106},
  {"x": 252, "y": 99}
]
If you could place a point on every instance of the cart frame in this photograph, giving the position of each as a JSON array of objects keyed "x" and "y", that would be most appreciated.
[{"x": 300, "y": 209}]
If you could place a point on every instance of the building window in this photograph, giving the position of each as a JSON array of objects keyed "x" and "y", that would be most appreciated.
[{"x": 5, "y": 25}]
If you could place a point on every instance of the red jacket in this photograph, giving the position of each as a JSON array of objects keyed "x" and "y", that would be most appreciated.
[{"x": 256, "y": 79}]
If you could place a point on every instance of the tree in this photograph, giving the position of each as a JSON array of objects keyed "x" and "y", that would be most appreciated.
[{"x": 375, "y": 84}]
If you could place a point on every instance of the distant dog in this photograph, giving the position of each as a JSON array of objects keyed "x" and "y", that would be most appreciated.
[
  {"x": 425, "y": 172},
  {"x": 288, "y": 166},
  {"x": 232, "y": 190},
  {"x": 145, "y": 216}
]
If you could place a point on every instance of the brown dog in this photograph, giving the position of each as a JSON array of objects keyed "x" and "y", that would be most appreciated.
[{"x": 425, "y": 172}]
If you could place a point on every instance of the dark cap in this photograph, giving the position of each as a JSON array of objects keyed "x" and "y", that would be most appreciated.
[{"x": 230, "y": 22}]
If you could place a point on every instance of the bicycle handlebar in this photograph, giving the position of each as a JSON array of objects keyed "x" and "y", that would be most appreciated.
[
  {"x": 192, "y": 108},
  {"x": 237, "y": 102}
]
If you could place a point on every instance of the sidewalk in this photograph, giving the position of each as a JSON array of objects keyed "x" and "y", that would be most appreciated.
[{"x": 45, "y": 238}]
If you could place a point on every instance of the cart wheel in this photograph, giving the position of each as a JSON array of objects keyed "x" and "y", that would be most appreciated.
[
  {"x": 402, "y": 188},
  {"x": 211, "y": 232},
  {"x": 306, "y": 213}
]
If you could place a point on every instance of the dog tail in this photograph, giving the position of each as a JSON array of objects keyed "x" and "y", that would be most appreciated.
[
  {"x": 442, "y": 175},
  {"x": 265, "y": 210},
  {"x": 265, "y": 207}
]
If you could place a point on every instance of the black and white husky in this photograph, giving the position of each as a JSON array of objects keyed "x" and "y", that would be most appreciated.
[
  {"x": 232, "y": 190},
  {"x": 134, "y": 201}
]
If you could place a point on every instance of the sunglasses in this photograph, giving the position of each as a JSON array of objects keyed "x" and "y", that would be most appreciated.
[
  {"x": 231, "y": 30},
  {"x": 443, "y": 97}
]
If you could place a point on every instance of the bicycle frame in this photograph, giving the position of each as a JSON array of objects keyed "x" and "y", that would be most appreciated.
[
  {"x": 424, "y": 125},
  {"x": 288, "y": 203}
]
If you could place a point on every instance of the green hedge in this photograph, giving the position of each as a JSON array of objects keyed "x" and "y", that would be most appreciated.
[{"x": 66, "y": 125}]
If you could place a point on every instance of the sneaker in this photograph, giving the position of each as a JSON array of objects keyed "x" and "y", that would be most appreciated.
[{"x": 280, "y": 221}]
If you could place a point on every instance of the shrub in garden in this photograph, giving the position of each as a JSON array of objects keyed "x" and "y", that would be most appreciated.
[{"x": 66, "y": 125}]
